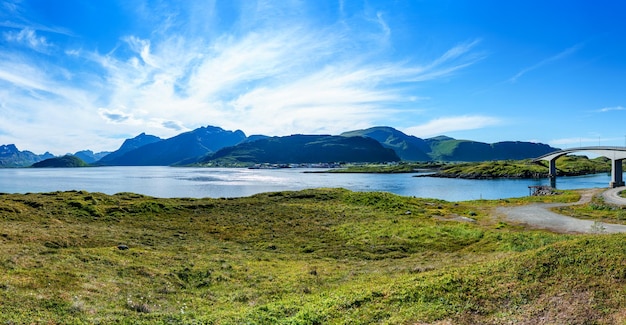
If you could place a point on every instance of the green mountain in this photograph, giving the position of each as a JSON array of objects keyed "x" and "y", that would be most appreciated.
[
  {"x": 448, "y": 149},
  {"x": 305, "y": 149},
  {"x": 186, "y": 147},
  {"x": 407, "y": 147},
  {"x": 10, "y": 156},
  {"x": 443, "y": 148},
  {"x": 61, "y": 162}
]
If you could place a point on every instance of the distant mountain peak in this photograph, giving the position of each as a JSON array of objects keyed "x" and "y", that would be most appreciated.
[
  {"x": 440, "y": 138},
  {"x": 148, "y": 150},
  {"x": 408, "y": 147},
  {"x": 10, "y": 156},
  {"x": 7, "y": 149},
  {"x": 138, "y": 141}
]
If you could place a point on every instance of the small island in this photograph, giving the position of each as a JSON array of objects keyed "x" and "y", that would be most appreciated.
[{"x": 67, "y": 161}]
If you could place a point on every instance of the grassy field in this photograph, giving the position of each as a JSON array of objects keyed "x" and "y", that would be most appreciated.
[{"x": 309, "y": 257}]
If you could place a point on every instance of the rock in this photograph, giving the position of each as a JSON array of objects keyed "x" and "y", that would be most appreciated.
[{"x": 122, "y": 247}]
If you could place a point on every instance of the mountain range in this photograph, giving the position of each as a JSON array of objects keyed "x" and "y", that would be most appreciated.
[
  {"x": 184, "y": 148},
  {"x": 10, "y": 156},
  {"x": 304, "y": 149},
  {"x": 212, "y": 145},
  {"x": 444, "y": 148}
]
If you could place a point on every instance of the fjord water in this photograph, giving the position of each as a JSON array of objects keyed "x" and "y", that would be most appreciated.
[{"x": 236, "y": 182}]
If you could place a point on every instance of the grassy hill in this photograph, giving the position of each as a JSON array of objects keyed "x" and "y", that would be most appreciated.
[
  {"x": 448, "y": 149},
  {"x": 409, "y": 148},
  {"x": 61, "y": 162},
  {"x": 309, "y": 257},
  {"x": 566, "y": 166}
]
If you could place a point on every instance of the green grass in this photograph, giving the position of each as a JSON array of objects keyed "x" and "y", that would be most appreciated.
[{"x": 323, "y": 256}]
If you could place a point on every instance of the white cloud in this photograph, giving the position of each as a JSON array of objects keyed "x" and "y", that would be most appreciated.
[
  {"x": 28, "y": 37},
  {"x": 444, "y": 125}
]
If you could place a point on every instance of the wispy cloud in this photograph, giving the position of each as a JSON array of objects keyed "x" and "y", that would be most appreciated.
[
  {"x": 610, "y": 109},
  {"x": 28, "y": 37},
  {"x": 565, "y": 53},
  {"x": 267, "y": 81},
  {"x": 445, "y": 125}
]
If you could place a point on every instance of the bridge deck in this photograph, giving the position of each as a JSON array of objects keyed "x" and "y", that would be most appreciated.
[{"x": 609, "y": 152}]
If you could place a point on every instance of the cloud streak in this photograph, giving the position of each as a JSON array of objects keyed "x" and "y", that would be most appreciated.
[
  {"x": 611, "y": 109},
  {"x": 565, "y": 53}
]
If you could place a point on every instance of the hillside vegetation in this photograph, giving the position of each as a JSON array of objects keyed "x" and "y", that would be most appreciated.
[
  {"x": 309, "y": 257},
  {"x": 66, "y": 161},
  {"x": 302, "y": 149},
  {"x": 443, "y": 148},
  {"x": 566, "y": 166}
]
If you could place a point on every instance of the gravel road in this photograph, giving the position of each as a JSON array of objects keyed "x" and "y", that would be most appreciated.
[
  {"x": 539, "y": 215},
  {"x": 612, "y": 196}
]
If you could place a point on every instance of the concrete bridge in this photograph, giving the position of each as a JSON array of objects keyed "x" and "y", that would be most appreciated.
[{"x": 616, "y": 154}]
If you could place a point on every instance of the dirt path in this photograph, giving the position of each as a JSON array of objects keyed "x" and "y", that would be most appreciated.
[
  {"x": 612, "y": 196},
  {"x": 539, "y": 216}
]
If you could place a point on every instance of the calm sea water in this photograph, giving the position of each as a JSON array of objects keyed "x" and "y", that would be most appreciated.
[{"x": 231, "y": 182}]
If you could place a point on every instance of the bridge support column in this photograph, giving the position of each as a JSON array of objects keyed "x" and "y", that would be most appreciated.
[
  {"x": 552, "y": 172},
  {"x": 617, "y": 179}
]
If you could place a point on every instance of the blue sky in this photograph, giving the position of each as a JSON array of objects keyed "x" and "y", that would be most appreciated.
[{"x": 80, "y": 74}]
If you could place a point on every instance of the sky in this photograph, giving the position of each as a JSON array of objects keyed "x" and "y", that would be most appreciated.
[{"x": 77, "y": 75}]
